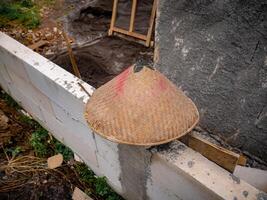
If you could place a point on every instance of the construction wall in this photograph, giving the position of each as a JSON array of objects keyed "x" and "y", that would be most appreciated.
[
  {"x": 216, "y": 51},
  {"x": 54, "y": 98}
]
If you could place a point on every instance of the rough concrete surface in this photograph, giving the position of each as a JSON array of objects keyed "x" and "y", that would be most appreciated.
[
  {"x": 134, "y": 162},
  {"x": 216, "y": 51}
]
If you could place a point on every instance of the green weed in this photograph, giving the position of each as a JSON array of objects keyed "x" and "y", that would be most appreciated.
[
  {"x": 44, "y": 146},
  {"x": 42, "y": 143},
  {"x": 39, "y": 143},
  {"x": 14, "y": 151},
  {"x": 29, "y": 121},
  {"x": 9, "y": 100},
  {"x": 98, "y": 184},
  {"x": 61, "y": 148},
  {"x": 23, "y": 11}
]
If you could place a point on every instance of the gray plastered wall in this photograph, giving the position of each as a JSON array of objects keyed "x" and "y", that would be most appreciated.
[{"x": 216, "y": 51}]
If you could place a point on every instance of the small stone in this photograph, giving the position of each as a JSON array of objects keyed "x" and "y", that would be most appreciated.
[
  {"x": 49, "y": 52},
  {"x": 55, "y": 29},
  {"x": 48, "y": 36},
  {"x": 55, "y": 161},
  {"x": 3, "y": 121}
]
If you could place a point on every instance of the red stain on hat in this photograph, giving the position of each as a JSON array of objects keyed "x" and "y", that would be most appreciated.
[{"x": 120, "y": 81}]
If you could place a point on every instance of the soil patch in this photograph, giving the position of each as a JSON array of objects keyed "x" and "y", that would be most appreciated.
[
  {"x": 24, "y": 149},
  {"x": 99, "y": 57},
  {"x": 101, "y": 61}
]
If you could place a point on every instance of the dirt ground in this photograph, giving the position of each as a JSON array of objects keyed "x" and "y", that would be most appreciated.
[
  {"x": 100, "y": 57},
  {"x": 24, "y": 173},
  {"x": 16, "y": 183}
]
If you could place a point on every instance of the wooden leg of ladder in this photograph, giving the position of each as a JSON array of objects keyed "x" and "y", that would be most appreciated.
[
  {"x": 151, "y": 23},
  {"x": 131, "y": 29},
  {"x": 113, "y": 18}
]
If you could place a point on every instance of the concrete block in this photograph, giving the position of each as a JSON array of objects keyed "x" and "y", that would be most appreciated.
[
  {"x": 255, "y": 177},
  {"x": 62, "y": 88},
  {"x": 196, "y": 176},
  {"x": 3, "y": 71},
  {"x": 27, "y": 103},
  {"x": 14, "y": 65},
  {"x": 5, "y": 79},
  {"x": 108, "y": 160},
  {"x": 75, "y": 135},
  {"x": 28, "y": 89},
  {"x": 167, "y": 182}
]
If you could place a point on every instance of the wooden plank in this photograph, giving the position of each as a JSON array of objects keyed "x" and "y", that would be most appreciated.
[
  {"x": 72, "y": 59},
  {"x": 133, "y": 34},
  {"x": 221, "y": 156},
  {"x": 151, "y": 23},
  {"x": 130, "y": 32},
  {"x": 38, "y": 44},
  {"x": 242, "y": 160},
  {"x": 132, "y": 39},
  {"x": 133, "y": 16},
  {"x": 113, "y": 18}
]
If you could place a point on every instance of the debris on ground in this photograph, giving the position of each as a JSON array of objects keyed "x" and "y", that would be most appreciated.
[
  {"x": 34, "y": 165},
  {"x": 79, "y": 195},
  {"x": 54, "y": 161}
]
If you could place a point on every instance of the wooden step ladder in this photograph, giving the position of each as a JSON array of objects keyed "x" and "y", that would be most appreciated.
[{"x": 130, "y": 32}]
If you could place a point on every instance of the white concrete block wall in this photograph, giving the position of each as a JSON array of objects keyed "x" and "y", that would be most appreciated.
[{"x": 54, "y": 98}]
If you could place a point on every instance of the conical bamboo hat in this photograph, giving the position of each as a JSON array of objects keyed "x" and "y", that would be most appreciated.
[{"x": 140, "y": 108}]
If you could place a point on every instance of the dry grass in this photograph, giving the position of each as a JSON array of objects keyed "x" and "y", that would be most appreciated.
[{"x": 23, "y": 168}]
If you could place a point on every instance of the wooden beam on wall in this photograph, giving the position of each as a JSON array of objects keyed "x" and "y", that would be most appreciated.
[{"x": 221, "y": 156}]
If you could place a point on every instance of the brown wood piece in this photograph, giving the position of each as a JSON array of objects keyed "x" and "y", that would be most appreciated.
[
  {"x": 113, "y": 18},
  {"x": 133, "y": 34},
  {"x": 221, "y": 156},
  {"x": 133, "y": 16},
  {"x": 242, "y": 160},
  {"x": 130, "y": 32},
  {"x": 72, "y": 59},
  {"x": 151, "y": 23},
  {"x": 132, "y": 39},
  {"x": 38, "y": 44}
]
